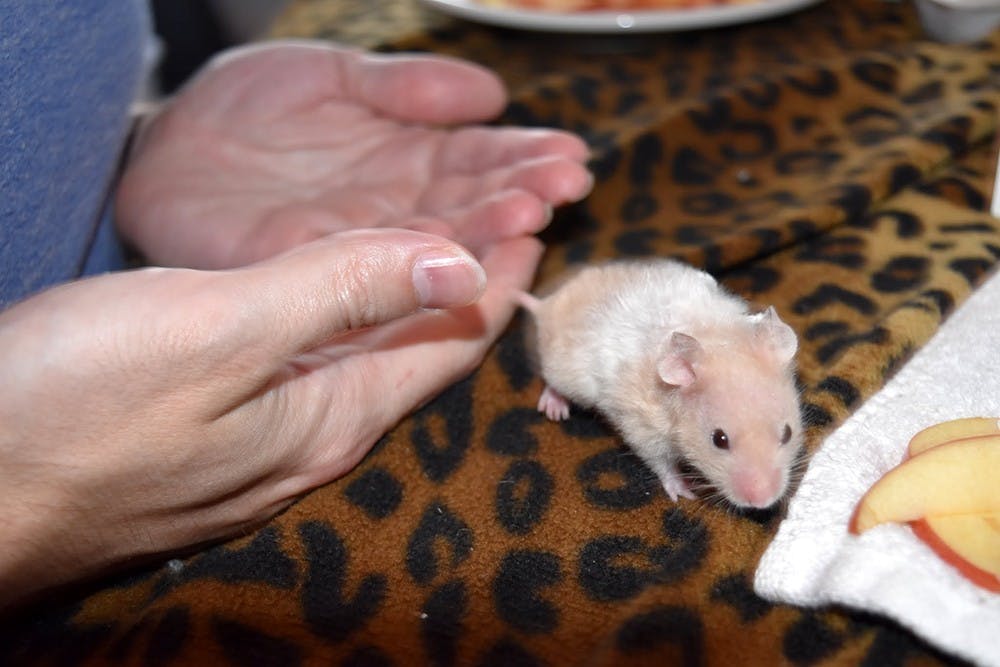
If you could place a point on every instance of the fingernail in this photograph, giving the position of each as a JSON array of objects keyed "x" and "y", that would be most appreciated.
[{"x": 447, "y": 280}]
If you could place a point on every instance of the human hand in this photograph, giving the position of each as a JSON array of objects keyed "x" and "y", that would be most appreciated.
[
  {"x": 147, "y": 411},
  {"x": 275, "y": 145}
]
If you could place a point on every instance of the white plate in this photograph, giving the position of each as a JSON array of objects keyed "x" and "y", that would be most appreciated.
[{"x": 618, "y": 21}]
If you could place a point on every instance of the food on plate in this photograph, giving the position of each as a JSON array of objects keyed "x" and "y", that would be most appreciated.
[
  {"x": 969, "y": 542},
  {"x": 948, "y": 490},
  {"x": 938, "y": 434},
  {"x": 596, "y": 5}
]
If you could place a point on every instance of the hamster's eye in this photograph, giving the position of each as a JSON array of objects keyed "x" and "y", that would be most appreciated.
[
  {"x": 786, "y": 435},
  {"x": 720, "y": 439}
]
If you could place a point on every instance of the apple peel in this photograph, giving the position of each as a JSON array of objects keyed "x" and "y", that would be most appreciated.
[{"x": 970, "y": 543}]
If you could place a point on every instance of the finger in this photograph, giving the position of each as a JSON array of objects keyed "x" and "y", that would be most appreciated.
[
  {"x": 554, "y": 180},
  {"x": 474, "y": 150},
  {"x": 350, "y": 281},
  {"x": 426, "y": 89},
  {"x": 501, "y": 216},
  {"x": 422, "y": 355},
  {"x": 413, "y": 87}
]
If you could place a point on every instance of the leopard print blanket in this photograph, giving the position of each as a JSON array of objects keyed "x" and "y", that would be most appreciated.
[{"x": 833, "y": 163}]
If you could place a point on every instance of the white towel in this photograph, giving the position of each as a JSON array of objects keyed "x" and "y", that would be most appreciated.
[{"x": 814, "y": 561}]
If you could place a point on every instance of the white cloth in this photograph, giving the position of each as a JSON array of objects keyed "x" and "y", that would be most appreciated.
[{"x": 814, "y": 561}]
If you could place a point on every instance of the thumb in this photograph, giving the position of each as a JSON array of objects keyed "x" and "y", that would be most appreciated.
[{"x": 357, "y": 279}]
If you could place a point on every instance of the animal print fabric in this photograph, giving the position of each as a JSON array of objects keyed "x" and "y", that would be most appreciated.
[{"x": 833, "y": 163}]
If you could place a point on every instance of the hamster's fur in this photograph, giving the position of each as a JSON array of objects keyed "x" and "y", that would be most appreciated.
[{"x": 681, "y": 368}]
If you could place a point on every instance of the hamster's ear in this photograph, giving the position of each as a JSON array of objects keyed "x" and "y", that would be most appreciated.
[
  {"x": 676, "y": 364},
  {"x": 776, "y": 335}
]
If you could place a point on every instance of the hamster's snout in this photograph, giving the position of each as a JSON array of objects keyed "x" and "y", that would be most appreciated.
[{"x": 758, "y": 488}]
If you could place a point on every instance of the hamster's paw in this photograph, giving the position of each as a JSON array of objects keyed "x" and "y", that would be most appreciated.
[
  {"x": 553, "y": 405},
  {"x": 676, "y": 487}
]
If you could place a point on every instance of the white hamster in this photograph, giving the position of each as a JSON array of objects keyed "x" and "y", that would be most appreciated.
[{"x": 681, "y": 368}]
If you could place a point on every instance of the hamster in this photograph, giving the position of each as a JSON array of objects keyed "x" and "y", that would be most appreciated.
[{"x": 681, "y": 368}]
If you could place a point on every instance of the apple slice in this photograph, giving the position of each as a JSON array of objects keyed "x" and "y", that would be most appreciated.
[
  {"x": 956, "y": 429},
  {"x": 970, "y": 542},
  {"x": 959, "y": 477}
]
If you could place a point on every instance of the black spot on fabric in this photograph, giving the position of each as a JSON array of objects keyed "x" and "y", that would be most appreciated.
[
  {"x": 329, "y": 610},
  {"x": 820, "y": 83},
  {"x": 953, "y": 134},
  {"x": 619, "y": 567},
  {"x": 840, "y": 250},
  {"x": 437, "y": 524},
  {"x": 814, "y": 415},
  {"x": 834, "y": 348},
  {"x": 927, "y": 92},
  {"x": 854, "y": 200},
  {"x": 829, "y": 294},
  {"x": 807, "y": 162},
  {"x": 367, "y": 656},
  {"x": 941, "y": 299},
  {"x": 578, "y": 252},
  {"x": 754, "y": 140},
  {"x": 707, "y": 203},
  {"x": 585, "y": 90},
  {"x": 825, "y": 329},
  {"x": 971, "y": 268},
  {"x": 512, "y": 354},
  {"x": 441, "y": 622},
  {"x": 761, "y": 94},
  {"x": 519, "y": 113},
  {"x": 629, "y": 101},
  {"x": 252, "y": 647},
  {"x": 881, "y": 76},
  {"x": 957, "y": 190},
  {"x": 639, "y": 206},
  {"x": 666, "y": 626},
  {"x": 802, "y": 124},
  {"x": 605, "y": 162},
  {"x": 901, "y": 274},
  {"x": 712, "y": 118},
  {"x": 736, "y": 591},
  {"x": 119, "y": 649},
  {"x": 260, "y": 561},
  {"x": 893, "y": 647},
  {"x": 523, "y": 496},
  {"x": 585, "y": 425},
  {"x": 869, "y": 126},
  {"x": 168, "y": 637},
  {"x": 691, "y": 167},
  {"x": 454, "y": 407},
  {"x": 753, "y": 279},
  {"x": 697, "y": 234},
  {"x": 845, "y": 392},
  {"x": 617, "y": 479},
  {"x": 636, "y": 242},
  {"x": 376, "y": 492},
  {"x": 810, "y": 640},
  {"x": 507, "y": 653},
  {"x": 903, "y": 175},
  {"x": 968, "y": 228},
  {"x": 510, "y": 433},
  {"x": 518, "y": 591},
  {"x": 907, "y": 225},
  {"x": 993, "y": 250},
  {"x": 647, "y": 152},
  {"x": 802, "y": 229}
]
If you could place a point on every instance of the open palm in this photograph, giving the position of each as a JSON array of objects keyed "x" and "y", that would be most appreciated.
[{"x": 276, "y": 145}]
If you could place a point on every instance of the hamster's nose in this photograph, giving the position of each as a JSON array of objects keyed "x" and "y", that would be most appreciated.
[{"x": 758, "y": 488}]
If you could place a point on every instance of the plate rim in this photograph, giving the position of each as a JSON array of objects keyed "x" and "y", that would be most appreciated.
[{"x": 616, "y": 21}]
